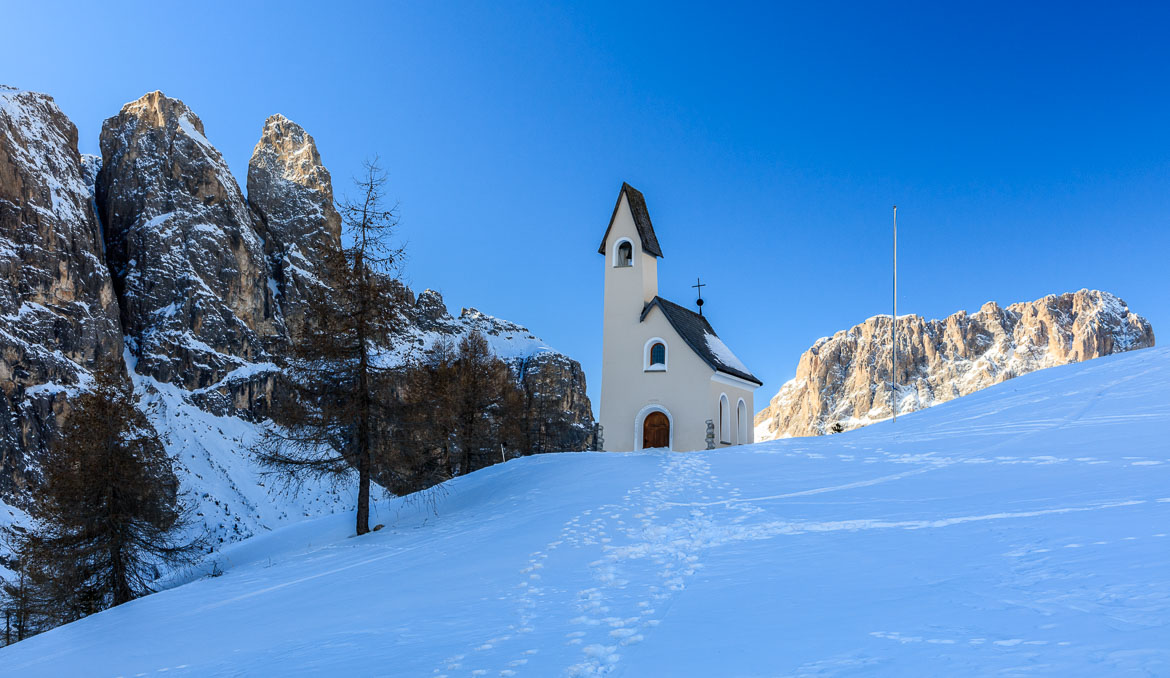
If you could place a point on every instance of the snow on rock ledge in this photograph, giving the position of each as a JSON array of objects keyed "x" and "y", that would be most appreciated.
[
  {"x": 188, "y": 262},
  {"x": 58, "y": 311}
]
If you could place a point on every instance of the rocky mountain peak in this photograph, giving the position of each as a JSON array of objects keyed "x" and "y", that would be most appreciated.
[
  {"x": 989, "y": 308},
  {"x": 846, "y": 378},
  {"x": 431, "y": 314},
  {"x": 292, "y": 194},
  {"x": 286, "y": 152},
  {"x": 491, "y": 325},
  {"x": 187, "y": 258}
]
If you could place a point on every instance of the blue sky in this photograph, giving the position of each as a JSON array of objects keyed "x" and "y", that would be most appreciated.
[{"x": 1026, "y": 145}]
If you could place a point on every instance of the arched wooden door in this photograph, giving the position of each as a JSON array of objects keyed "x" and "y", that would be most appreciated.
[{"x": 655, "y": 431}]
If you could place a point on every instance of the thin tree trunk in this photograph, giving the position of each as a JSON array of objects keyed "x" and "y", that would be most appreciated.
[
  {"x": 363, "y": 502},
  {"x": 363, "y": 508},
  {"x": 22, "y": 609},
  {"x": 121, "y": 585}
]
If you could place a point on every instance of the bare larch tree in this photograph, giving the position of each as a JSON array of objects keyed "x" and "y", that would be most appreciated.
[
  {"x": 462, "y": 410},
  {"x": 327, "y": 425}
]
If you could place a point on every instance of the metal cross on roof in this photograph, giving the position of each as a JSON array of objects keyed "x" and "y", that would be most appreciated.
[{"x": 699, "y": 286}]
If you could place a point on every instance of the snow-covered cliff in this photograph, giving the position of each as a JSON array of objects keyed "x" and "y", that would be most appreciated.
[
  {"x": 151, "y": 259},
  {"x": 58, "y": 311}
]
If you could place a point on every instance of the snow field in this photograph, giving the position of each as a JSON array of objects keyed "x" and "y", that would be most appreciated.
[{"x": 1020, "y": 530}]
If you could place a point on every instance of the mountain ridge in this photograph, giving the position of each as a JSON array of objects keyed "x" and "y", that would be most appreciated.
[
  {"x": 151, "y": 259},
  {"x": 845, "y": 378}
]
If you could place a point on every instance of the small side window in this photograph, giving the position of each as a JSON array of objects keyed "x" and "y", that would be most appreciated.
[
  {"x": 742, "y": 423},
  {"x": 654, "y": 355}
]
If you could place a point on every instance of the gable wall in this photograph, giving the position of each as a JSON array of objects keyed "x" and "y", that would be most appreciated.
[{"x": 685, "y": 389}]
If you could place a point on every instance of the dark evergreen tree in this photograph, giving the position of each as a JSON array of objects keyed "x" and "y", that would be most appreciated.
[
  {"x": 22, "y": 614},
  {"x": 107, "y": 516},
  {"x": 478, "y": 404},
  {"x": 425, "y": 429}
]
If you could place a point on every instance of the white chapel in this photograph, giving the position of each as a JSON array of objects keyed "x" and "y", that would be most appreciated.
[{"x": 667, "y": 379}]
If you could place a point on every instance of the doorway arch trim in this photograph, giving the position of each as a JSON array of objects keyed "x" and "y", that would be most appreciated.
[{"x": 641, "y": 418}]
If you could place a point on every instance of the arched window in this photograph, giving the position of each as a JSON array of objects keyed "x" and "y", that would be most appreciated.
[
  {"x": 724, "y": 420},
  {"x": 655, "y": 355},
  {"x": 625, "y": 254},
  {"x": 742, "y": 423}
]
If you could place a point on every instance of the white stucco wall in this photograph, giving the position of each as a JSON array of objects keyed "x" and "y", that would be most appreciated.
[{"x": 686, "y": 390}]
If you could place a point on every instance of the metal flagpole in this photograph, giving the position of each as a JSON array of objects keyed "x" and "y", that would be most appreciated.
[{"x": 893, "y": 325}]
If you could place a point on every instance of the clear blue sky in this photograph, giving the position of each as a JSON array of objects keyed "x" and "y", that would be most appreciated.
[{"x": 1026, "y": 146}]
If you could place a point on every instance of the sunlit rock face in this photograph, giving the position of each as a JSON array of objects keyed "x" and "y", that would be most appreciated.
[
  {"x": 292, "y": 194},
  {"x": 58, "y": 311},
  {"x": 845, "y": 378},
  {"x": 154, "y": 243},
  {"x": 185, "y": 252}
]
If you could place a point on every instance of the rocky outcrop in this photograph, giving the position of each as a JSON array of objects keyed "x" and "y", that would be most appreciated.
[
  {"x": 187, "y": 260},
  {"x": 58, "y": 311},
  {"x": 554, "y": 389},
  {"x": 430, "y": 314},
  {"x": 202, "y": 283},
  {"x": 846, "y": 378},
  {"x": 292, "y": 194},
  {"x": 553, "y": 383}
]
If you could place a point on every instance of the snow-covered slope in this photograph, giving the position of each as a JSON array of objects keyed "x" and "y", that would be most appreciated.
[
  {"x": 1022, "y": 530},
  {"x": 225, "y": 487},
  {"x": 228, "y": 495}
]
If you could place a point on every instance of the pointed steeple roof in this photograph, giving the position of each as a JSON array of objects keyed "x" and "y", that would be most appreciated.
[{"x": 641, "y": 220}]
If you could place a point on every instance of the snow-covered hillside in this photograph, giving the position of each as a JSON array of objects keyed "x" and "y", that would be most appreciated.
[
  {"x": 224, "y": 485},
  {"x": 1021, "y": 530}
]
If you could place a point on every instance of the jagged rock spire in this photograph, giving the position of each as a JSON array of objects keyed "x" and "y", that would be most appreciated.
[
  {"x": 187, "y": 259},
  {"x": 292, "y": 193}
]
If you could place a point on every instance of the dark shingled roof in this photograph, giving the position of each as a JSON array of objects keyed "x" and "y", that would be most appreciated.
[
  {"x": 641, "y": 220},
  {"x": 692, "y": 327}
]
